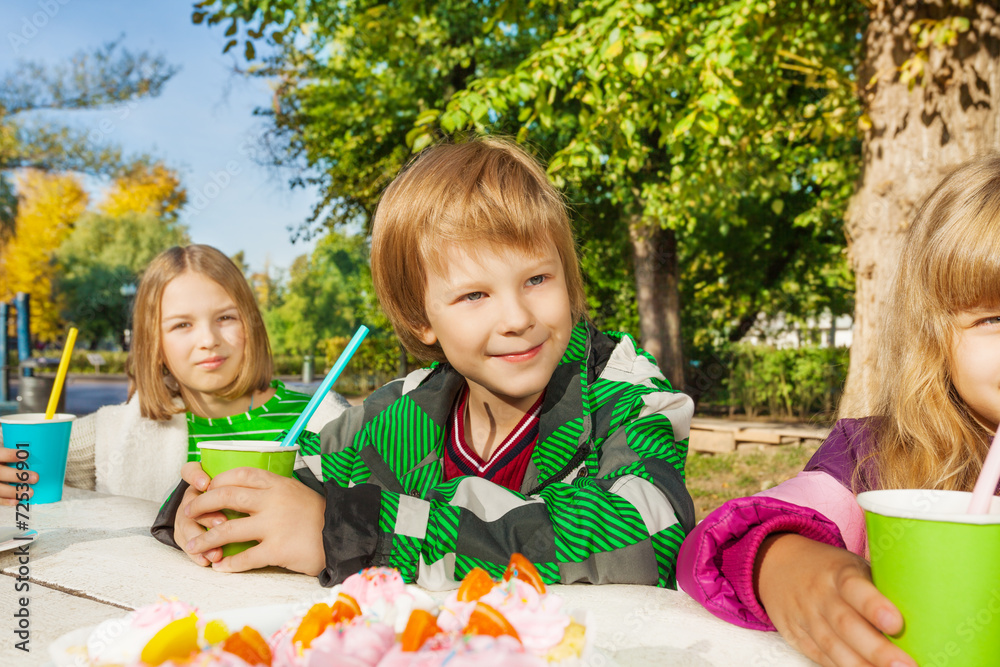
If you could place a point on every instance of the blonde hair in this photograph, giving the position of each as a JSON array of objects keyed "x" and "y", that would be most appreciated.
[
  {"x": 147, "y": 370},
  {"x": 926, "y": 436},
  {"x": 484, "y": 194}
]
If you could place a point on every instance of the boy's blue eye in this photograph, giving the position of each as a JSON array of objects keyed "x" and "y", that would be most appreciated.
[
  {"x": 536, "y": 280},
  {"x": 473, "y": 296}
]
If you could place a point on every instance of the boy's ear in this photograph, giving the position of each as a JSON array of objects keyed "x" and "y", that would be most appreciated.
[{"x": 426, "y": 336}]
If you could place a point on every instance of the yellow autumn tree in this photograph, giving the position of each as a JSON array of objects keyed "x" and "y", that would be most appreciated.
[
  {"x": 146, "y": 190},
  {"x": 48, "y": 206}
]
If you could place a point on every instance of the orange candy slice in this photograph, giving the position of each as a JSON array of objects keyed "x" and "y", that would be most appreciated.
[
  {"x": 313, "y": 624},
  {"x": 421, "y": 627},
  {"x": 174, "y": 641},
  {"x": 248, "y": 645},
  {"x": 345, "y": 608},
  {"x": 521, "y": 568},
  {"x": 485, "y": 620},
  {"x": 476, "y": 584}
]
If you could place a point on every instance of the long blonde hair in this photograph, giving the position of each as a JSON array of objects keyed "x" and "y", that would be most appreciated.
[
  {"x": 925, "y": 435},
  {"x": 147, "y": 370},
  {"x": 486, "y": 193}
]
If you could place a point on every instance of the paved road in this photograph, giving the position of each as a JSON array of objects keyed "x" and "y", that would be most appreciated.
[{"x": 84, "y": 396}]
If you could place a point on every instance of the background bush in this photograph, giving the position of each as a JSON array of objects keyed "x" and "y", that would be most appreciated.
[{"x": 800, "y": 382}]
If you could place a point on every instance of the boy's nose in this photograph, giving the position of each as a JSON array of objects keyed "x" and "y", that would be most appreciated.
[{"x": 517, "y": 317}]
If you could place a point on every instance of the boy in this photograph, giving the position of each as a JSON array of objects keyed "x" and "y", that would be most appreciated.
[{"x": 535, "y": 433}]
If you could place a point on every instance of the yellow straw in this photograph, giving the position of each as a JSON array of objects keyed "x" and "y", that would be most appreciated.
[{"x": 50, "y": 411}]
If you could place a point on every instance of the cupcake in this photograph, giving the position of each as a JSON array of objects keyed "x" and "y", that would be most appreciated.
[
  {"x": 519, "y": 602},
  {"x": 121, "y": 641}
]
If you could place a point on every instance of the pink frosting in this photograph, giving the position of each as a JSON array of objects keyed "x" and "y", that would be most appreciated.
[
  {"x": 539, "y": 619},
  {"x": 467, "y": 651},
  {"x": 384, "y": 597},
  {"x": 359, "y": 642},
  {"x": 283, "y": 654},
  {"x": 374, "y": 584},
  {"x": 160, "y": 613},
  {"x": 212, "y": 657}
]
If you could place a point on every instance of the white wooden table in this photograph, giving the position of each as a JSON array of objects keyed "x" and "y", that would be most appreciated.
[{"x": 94, "y": 559}]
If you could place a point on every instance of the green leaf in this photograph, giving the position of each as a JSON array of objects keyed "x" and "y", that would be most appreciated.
[
  {"x": 197, "y": 17},
  {"x": 422, "y": 142},
  {"x": 230, "y": 44},
  {"x": 709, "y": 122},
  {"x": 777, "y": 205},
  {"x": 249, "y": 51},
  {"x": 628, "y": 128},
  {"x": 685, "y": 124},
  {"x": 614, "y": 50},
  {"x": 636, "y": 63}
]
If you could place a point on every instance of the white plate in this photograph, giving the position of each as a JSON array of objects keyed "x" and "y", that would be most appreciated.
[
  {"x": 8, "y": 533},
  {"x": 68, "y": 650}
]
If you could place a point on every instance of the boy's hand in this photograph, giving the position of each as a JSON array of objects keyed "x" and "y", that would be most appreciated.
[
  {"x": 9, "y": 475},
  {"x": 822, "y": 601},
  {"x": 286, "y": 517},
  {"x": 185, "y": 527}
]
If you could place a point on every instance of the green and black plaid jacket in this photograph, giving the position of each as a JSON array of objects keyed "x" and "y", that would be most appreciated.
[{"x": 603, "y": 499}]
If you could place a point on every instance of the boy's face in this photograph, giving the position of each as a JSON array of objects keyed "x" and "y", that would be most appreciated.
[{"x": 503, "y": 321}]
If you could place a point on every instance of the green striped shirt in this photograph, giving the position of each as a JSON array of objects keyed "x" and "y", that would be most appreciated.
[{"x": 265, "y": 422}]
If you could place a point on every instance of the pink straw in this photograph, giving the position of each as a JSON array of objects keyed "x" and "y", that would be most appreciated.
[{"x": 989, "y": 477}]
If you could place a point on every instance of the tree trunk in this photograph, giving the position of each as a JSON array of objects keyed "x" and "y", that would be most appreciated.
[
  {"x": 915, "y": 138},
  {"x": 657, "y": 278}
]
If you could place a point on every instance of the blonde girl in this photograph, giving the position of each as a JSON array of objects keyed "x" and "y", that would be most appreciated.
[
  {"x": 199, "y": 368},
  {"x": 793, "y": 558}
]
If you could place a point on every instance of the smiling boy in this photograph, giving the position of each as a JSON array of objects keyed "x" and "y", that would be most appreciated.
[{"x": 534, "y": 432}]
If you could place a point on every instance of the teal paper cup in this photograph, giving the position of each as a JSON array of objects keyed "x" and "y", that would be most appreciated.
[
  {"x": 46, "y": 442},
  {"x": 219, "y": 456},
  {"x": 941, "y": 568}
]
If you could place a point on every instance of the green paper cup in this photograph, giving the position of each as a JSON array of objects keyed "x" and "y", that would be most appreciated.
[
  {"x": 219, "y": 456},
  {"x": 941, "y": 568}
]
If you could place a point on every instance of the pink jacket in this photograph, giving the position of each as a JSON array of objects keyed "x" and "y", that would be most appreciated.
[{"x": 715, "y": 564}]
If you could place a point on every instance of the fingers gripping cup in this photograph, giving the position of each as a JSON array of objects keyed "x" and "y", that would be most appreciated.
[
  {"x": 940, "y": 566},
  {"x": 45, "y": 443},
  {"x": 219, "y": 456}
]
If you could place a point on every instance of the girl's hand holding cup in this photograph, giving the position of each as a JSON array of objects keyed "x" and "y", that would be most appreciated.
[
  {"x": 9, "y": 478},
  {"x": 822, "y": 601}
]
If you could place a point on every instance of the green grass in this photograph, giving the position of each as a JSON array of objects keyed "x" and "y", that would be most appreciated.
[{"x": 712, "y": 479}]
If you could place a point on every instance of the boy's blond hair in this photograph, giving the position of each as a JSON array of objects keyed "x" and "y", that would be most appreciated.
[
  {"x": 486, "y": 194},
  {"x": 950, "y": 262},
  {"x": 147, "y": 370}
]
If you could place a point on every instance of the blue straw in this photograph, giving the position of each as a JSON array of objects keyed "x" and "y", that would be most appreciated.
[{"x": 324, "y": 387}]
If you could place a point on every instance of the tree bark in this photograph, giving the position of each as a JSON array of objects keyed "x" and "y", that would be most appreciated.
[
  {"x": 916, "y": 137},
  {"x": 657, "y": 278}
]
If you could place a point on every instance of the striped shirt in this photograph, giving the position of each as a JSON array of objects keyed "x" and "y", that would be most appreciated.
[{"x": 265, "y": 422}]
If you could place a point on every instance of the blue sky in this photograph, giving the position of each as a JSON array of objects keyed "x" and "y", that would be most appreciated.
[{"x": 201, "y": 125}]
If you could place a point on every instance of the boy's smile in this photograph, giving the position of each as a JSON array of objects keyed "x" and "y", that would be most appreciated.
[{"x": 503, "y": 321}]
